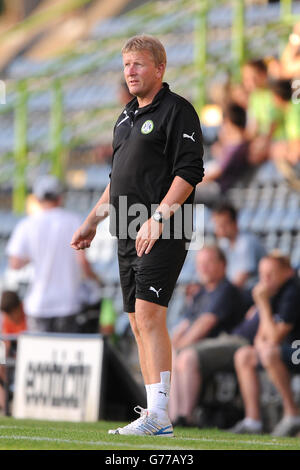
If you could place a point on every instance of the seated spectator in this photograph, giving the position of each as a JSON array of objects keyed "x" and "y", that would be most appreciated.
[
  {"x": 243, "y": 250},
  {"x": 259, "y": 104},
  {"x": 286, "y": 119},
  {"x": 215, "y": 308},
  {"x": 256, "y": 98},
  {"x": 232, "y": 150},
  {"x": 13, "y": 323},
  {"x": 14, "y": 320},
  {"x": 288, "y": 67},
  {"x": 277, "y": 298}
]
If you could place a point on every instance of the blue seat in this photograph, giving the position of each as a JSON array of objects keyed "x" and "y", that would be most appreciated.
[
  {"x": 285, "y": 243},
  {"x": 274, "y": 221},
  {"x": 290, "y": 219},
  {"x": 271, "y": 241},
  {"x": 245, "y": 217},
  {"x": 258, "y": 222},
  {"x": 267, "y": 174}
]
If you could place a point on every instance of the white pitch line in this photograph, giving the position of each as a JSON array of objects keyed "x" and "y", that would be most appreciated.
[
  {"x": 92, "y": 443},
  {"x": 124, "y": 444},
  {"x": 268, "y": 443}
]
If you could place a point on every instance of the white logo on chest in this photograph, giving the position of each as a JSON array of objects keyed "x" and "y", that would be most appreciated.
[{"x": 147, "y": 127}]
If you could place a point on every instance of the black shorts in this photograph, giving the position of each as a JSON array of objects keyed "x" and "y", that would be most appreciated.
[{"x": 151, "y": 277}]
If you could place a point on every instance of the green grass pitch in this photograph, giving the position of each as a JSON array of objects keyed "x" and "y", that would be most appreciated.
[{"x": 18, "y": 434}]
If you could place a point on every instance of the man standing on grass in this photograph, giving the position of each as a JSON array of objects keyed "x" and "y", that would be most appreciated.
[{"x": 157, "y": 163}]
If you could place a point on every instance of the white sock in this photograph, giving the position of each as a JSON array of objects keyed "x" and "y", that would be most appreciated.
[
  {"x": 159, "y": 395},
  {"x": 148, "y": 392},
  {"x": 253, "y": 423}
]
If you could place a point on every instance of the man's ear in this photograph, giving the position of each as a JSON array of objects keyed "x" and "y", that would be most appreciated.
[{"x": 161, "y": 70}]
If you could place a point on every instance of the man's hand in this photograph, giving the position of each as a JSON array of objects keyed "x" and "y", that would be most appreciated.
[
  {"x": 260, "y": 338},
  {"x": 149, "y": 232},
  {"x": 83, "y": 237},
  {"x": 261, "y": 293}
]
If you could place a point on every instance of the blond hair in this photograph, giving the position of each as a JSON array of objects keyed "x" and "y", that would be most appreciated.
[
  {"x": 147, "y": 43},
  {"x": 282, "y": 259}
]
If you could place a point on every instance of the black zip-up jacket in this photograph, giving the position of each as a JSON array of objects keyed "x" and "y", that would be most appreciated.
[{"x": 152, "y": 145}]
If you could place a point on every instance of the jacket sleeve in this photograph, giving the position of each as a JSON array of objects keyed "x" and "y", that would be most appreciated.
[{"x": 184, "y": 145}]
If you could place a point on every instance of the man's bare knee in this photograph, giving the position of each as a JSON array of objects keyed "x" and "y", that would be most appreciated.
[
  {"x": 133, "y": 324},
  {"x": 269, "y": 356},
  {"x": 245, "y": 357},
  {"x": 187, "y": 360},
  {"x": 149, "y": 317}
]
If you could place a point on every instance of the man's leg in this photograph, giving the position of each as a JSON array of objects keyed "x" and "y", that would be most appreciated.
[
  {"x": 189, "y": 383},
  {"x": 196, "y": 363},
  {"x": 175, "y": 392},
  {"x": 140, "y": 346},
  {"x": 278, "y": 373},
  {"x": 155, "y": 356},
  {"x": 245, "y": 361},
  {"x": 152, "y": 327}
]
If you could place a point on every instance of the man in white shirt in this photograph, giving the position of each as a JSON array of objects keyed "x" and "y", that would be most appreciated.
[{"x": 53, "y": 300}]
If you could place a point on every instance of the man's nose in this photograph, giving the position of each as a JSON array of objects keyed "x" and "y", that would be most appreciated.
[{"x": 131, "y": 70}]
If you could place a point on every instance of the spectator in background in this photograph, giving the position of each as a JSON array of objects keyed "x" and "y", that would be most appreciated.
[
  {"x": 259, "y": 97},
  {"x": 259, "y": 109},
  {"x": 277, "y": 298},
  {"x": 13, "y": 323},
  {"x": 243, "y": 250},
  {"x": 14, "y": 320},
  {"x": 288, "y": 67},
  {"x": 231, "y": 154},
  {"x": 255, "y": 97},
  {"x": 286, "y": 119},
  {"x": 53, "y": 300},
  {"x": 217, "y": 307}
]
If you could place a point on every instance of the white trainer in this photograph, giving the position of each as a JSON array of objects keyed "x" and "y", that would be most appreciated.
[{"x": 147, "y": 424}]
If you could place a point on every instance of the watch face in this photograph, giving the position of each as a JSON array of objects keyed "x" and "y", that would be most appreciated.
[{"x": 157, "y": 216}]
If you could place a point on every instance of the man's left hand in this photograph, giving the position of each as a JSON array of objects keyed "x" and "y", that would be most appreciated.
[
  {"x": 260, "y": 293},
  {"x": 149, "y": 232}
]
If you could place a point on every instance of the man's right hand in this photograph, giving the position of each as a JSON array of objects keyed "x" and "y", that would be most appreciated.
[{"x": 83, "y": 237}]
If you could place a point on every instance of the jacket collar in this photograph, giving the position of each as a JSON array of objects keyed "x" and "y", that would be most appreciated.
[{"x": 133, "y": 104}]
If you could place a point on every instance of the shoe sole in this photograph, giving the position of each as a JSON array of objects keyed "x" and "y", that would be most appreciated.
[{"x": 116, "y": 433}]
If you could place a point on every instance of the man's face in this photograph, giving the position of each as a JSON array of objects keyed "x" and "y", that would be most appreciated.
[
  {"x": 249, "y": 78},
  {"x": 253, "y": 78},
  {"x": 225, "y": 227},
  {"x": 141, "y": 73},
  {"x": 271, "y": 274},
  {"x": 210, "y": 268}
]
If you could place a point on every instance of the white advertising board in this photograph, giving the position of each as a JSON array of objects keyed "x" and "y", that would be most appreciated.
[{"x": 58, "y": 377}]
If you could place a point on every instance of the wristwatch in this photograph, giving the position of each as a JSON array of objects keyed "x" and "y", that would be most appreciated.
[{"x": 158, "y": 217}]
